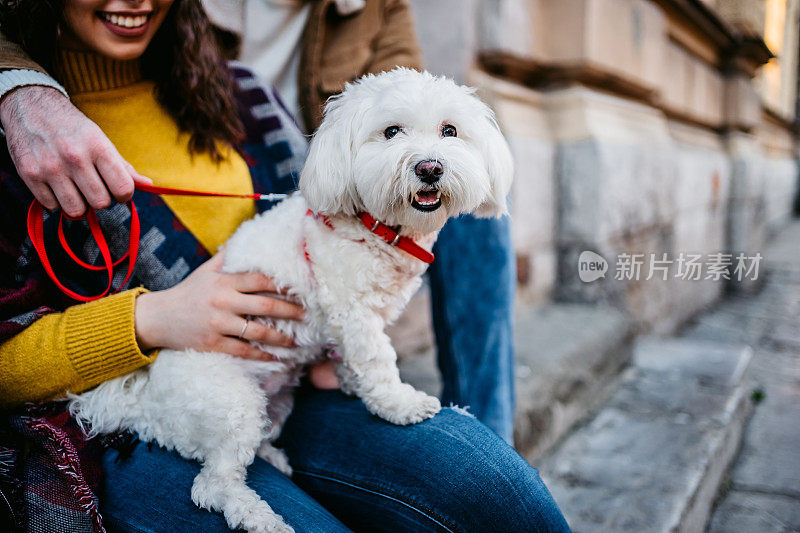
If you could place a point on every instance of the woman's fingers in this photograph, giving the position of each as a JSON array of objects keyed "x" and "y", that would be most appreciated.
[
  {"x": 245, "y": 350},
  {"x": 258, "y": 305},
  {"x": 214, "y": 264},
  {"x": 253, "y": 282},
  {"x": 258, "y": 332}
]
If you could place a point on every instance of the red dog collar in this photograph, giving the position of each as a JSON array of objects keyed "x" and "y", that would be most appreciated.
[{"x": 393, "y": 237}]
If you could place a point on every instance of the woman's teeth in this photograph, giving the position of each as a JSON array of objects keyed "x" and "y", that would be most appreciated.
[{"x": 125, "y": 21}]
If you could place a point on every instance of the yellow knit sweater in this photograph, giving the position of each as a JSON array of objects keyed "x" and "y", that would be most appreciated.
[{"x": 90, "y": 343}]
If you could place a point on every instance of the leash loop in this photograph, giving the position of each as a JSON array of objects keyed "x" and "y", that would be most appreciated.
[
  {"x": 36, "y": 233},
  {"x": 35, "y": 224}
]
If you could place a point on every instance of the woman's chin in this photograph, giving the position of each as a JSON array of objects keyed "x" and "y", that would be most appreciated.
[
  {"x": 123, "y": 53},
  {"x": 107, "y": 48},
  {"x": 120, "y": 49}
]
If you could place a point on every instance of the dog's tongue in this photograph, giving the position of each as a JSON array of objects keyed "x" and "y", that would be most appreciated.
[{"x": 426, "y": 197}]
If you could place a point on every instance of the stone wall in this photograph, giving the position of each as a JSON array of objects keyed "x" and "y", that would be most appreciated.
[{"x": 634, "y": 129}]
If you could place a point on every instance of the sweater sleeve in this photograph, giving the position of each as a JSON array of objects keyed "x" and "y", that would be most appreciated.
[
  {"x": 72, "y": 351},
  {"x": 13, "y": 79}
]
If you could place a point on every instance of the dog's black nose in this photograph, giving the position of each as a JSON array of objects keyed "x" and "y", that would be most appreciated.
[{"x": 429, "y": 171}]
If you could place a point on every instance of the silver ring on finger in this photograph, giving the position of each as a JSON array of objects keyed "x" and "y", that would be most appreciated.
[{"x": 244, "y": 328}]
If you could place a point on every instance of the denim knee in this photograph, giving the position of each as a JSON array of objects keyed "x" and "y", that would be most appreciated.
[
  {"x": 448, "y": 473},
  {"x": 490, "y": 487}
]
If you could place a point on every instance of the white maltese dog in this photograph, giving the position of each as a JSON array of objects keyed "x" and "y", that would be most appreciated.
[{"x": 397, "y": 154}]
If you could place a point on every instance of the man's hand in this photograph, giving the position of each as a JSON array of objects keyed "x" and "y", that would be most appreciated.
[{"x": 62, "y": 156}]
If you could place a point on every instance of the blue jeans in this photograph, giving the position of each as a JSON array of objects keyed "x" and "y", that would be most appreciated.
[
  {"x": 352, "y": 471},
  {"x": 472, "y": 289}
]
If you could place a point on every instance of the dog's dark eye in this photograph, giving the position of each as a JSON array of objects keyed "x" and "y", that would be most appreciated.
[
  {"x": 391, "y": 131},
  {"x": 448, "y": 130}
]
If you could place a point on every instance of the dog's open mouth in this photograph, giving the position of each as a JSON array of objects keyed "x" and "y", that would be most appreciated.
[{"x": 427, "y": 200}]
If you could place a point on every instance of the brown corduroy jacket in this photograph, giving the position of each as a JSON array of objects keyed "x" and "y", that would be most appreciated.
[{"x": 336, "y": 49}]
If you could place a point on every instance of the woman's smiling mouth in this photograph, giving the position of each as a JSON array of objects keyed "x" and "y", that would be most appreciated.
[{"x": 125, "y": 24}]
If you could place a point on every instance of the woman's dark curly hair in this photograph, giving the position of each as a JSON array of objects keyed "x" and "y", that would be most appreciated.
[{"x": 192, "y": 81}]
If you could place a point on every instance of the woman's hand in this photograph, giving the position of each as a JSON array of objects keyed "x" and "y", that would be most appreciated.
[
  {"x": 205, "y": 312},
  {"x": 62, "y": 156}
]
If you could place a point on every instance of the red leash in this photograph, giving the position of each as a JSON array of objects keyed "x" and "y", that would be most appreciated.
[
  {"x": 186, "y": 192},
  {"x": 36, "y": 233}
]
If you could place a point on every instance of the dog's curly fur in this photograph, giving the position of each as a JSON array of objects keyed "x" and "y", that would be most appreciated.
[{"x": 221, "y": 410}]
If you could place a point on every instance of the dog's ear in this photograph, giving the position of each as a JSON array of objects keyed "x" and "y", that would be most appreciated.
[
  {"x": 499, "y": 166},
  {"x": 326, "y": 180}
]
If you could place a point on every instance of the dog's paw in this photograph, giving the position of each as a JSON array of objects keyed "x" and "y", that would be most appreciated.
[
  {"x": 277, "y": 525},
  {"x": 262, "y": 519},
  {"x": 404, "y": 405},
  {"x": 268, "y": 524},
  {"x": 276, "y": 457},
  {"x": 283, "y": 527},
  {"x": 427, "y": 407}
]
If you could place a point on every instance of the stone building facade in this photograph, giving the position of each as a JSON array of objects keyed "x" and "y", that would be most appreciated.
[{"x": 639, "y": 127}]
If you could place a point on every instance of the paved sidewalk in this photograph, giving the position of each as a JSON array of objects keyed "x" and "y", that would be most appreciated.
[{"x": 763, "y": 493}]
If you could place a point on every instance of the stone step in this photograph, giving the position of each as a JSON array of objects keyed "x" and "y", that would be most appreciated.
[
  {"x": 568, "y": 358},
  {"x": 653, "y": 456}
]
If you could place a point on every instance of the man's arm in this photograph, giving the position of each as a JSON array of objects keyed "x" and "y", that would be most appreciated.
[
  {"x": 13, "y": 57},
  {"x": 62, "y": 156}
]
